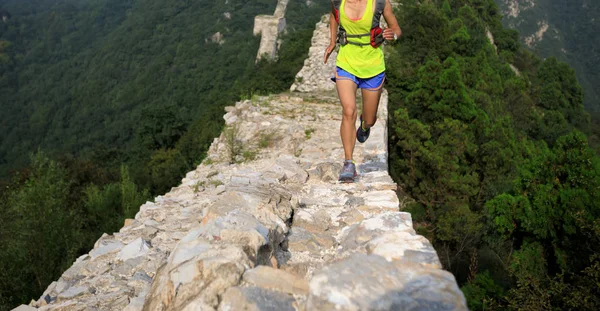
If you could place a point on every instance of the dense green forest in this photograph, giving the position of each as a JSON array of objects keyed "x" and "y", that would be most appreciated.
[
  {"x": 82, "y": 75},
  {"x": 89, "y": 77},
  {"x": 572, "y": 37},
  {"x": 114, "y": 103},
  {"x": 497, "y": 161},
  {"x": 105, "y": 104}
]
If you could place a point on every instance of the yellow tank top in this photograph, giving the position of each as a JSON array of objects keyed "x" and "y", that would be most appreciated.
[{"x": 361, "y": 61}]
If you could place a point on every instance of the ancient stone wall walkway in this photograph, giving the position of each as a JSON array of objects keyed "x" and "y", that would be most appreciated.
[
  {"x": 269, "y": 27},
  {"x": 263, "y": 224}
]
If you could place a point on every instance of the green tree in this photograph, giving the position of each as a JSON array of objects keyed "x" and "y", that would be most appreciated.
[
  {"x": 436, "y": 152},
  {"x": 161, "y": 127},
  {"x": 40, "y": 234},
  {"x": 103, "y": 209},
  {"x": 131, "y": 196},
  {"x": 4, "y": 57},
  {"x": 166, "y": 168},
  {"x": 558, "y": 90},
  {"x": 552, "y": 219}
]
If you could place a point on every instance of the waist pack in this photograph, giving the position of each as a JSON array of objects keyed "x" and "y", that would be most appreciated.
[{"x": 376, "y": 37}]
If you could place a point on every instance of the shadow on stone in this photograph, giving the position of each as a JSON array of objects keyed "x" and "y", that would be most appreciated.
[{"x": 372, "y": 166}]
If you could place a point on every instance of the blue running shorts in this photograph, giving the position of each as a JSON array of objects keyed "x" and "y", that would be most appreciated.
[{"x": 370, "y": 84}]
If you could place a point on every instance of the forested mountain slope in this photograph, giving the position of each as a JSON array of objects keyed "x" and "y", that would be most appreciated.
[
  {"x": 567, "y": 30},
  {"x": 118, "y": 100},
  {"x": 81, "y": 73},
  {"x": 496, "y": 159},
  {"x": 82, "y": 76}
]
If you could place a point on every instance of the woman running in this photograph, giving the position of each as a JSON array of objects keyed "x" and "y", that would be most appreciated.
[{"x": 359, "y": 64}]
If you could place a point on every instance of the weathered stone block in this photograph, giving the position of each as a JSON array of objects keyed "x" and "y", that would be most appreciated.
[
  {"x": 256, "y": 299},
  {"x": 137, "y": 248},
  {"x": 356, "y": 236},
  {"x": 196, "y": 271},
  {"x": 24, "y": 308},
  {"x": 367, "y": 282},
  {"x": 270, "y": 278}
]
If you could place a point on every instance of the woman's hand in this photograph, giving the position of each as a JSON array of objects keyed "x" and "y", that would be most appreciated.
[
  {"x": 328, "y": 52},
  {"x": 389, "y": 35}
]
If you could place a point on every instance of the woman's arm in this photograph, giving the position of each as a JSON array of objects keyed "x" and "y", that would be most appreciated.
[
  {"x": 390, "y": 19},
  {"x": 333, "y": 27}
]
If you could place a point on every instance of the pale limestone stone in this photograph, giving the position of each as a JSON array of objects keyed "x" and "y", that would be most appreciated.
[
  {"x": 269, "y": 28},
  {"x": 313, "y": 223},
  {"x": 357, "y": 236},
  {"x": 105, "y": 247},
  {"x": 294, "y": 173},
  {"x": 394, "y": 245},
  {"x": 256, "y": 299},
  {"x": 366, "y": 282},
  {"x": 24, "y": 308},
  {"x": 71, "y": 305},
  {"x": 386, "y": 200},
  {"x": 198, "y": 305},
  {"x": 217, "y": 37},
  {"x": 137, "y": 248},
  {"x": 301, "y": 240},
  {"x": 326, "y": 171},
  {"x": 128, "y": 267},
  {"x": 426, "y": 259},
  {"x": 119, "y": 303},
  {"x": 323, "y": 196},
  {"x": 351, "y": 217},
  {"x": 148, "y": 233},
  {"x": 44, "y": 300},
  {"x": 298, "y": 269},
  {"x": 200, "y": 274},
  {"x": 50, "y": 289},
  {"x": 314, "y": 75},
  {"x": 73, "y": 292},
  {"x": 270, "y": 278},
  {"x": 137, "y": 303}
]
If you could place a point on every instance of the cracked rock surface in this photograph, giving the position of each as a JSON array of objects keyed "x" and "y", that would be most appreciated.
[{"x": 263, "y": 224}]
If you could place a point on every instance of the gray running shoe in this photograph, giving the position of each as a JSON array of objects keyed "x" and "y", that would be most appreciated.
[
  {"x": 348, "y": 173},
  {"x": 362, "y": 135}
]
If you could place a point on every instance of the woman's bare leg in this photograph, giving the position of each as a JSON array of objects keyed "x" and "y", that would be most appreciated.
[
  {"x": 347, "y": 93},
  {"x": 370, "y": 106}
]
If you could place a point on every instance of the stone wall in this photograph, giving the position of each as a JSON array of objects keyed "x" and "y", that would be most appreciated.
[
  {"x": 314, "y": 75},
  {"x": 263, "y": 224},
  {"x": 269, "y": 27}
]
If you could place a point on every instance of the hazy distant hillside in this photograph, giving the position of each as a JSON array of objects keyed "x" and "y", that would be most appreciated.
[{"x": 569, "y": 30}]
